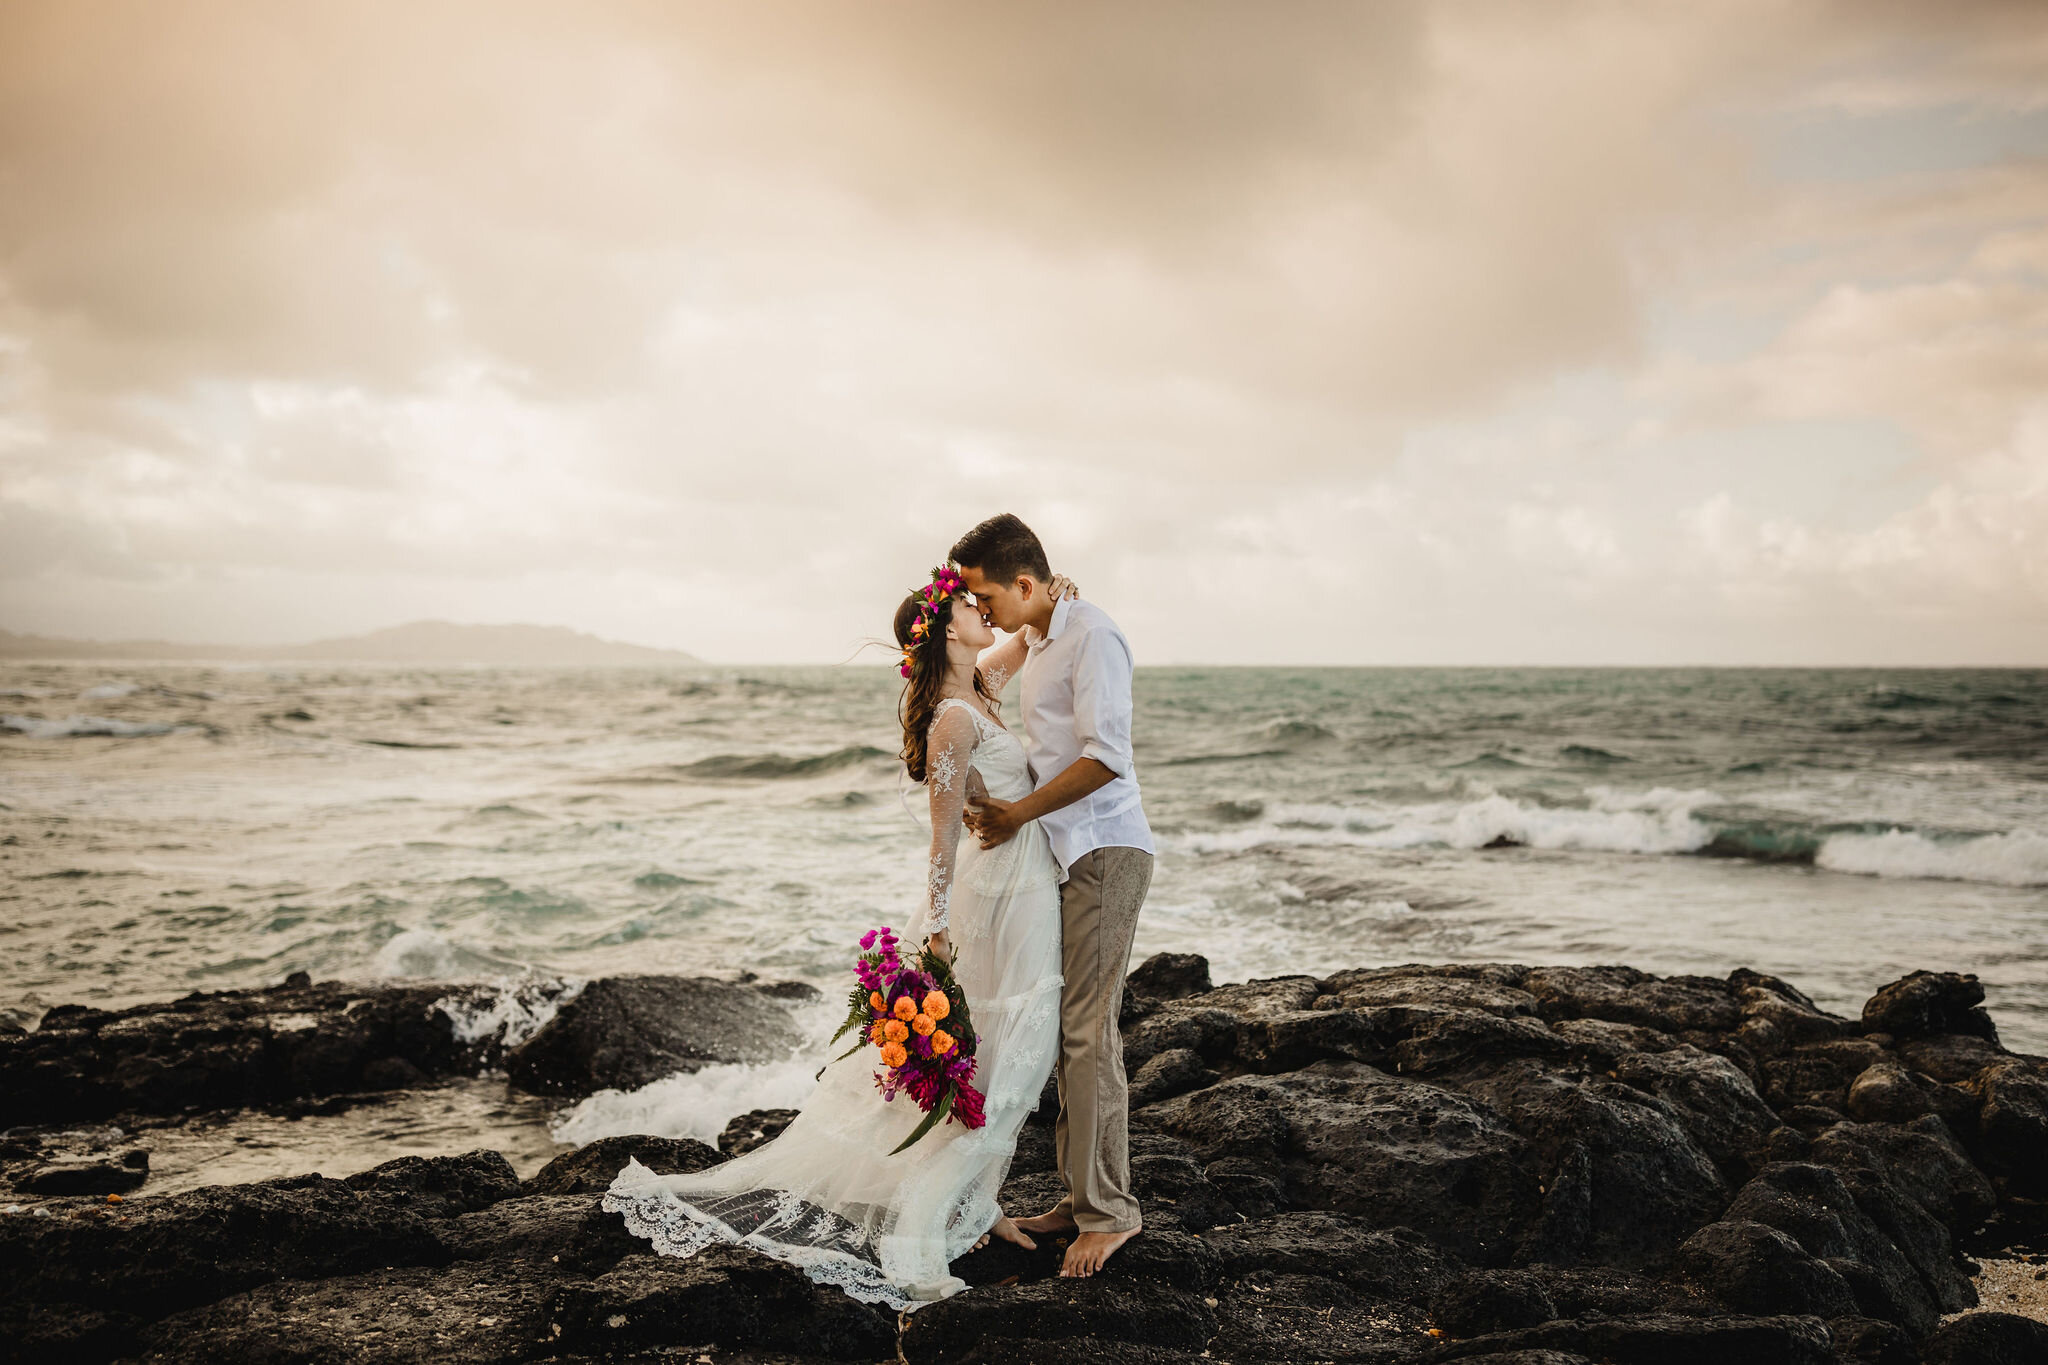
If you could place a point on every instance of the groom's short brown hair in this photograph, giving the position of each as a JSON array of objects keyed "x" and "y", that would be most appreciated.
[{"x": 1003, "y": 548}]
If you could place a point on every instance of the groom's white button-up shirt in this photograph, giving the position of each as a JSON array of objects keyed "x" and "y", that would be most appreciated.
[{"x": 1076, "y": 691}]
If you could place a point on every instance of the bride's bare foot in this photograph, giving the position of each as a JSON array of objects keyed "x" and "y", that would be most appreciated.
[
  {"x": 1007, "y": 1229},
  {"x": 1091, "y": 1249},
  {"x": 1057, "y": 1224}
]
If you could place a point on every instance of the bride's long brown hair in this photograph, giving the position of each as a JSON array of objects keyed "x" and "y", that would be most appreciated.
[{"x": 921, "y": 695}]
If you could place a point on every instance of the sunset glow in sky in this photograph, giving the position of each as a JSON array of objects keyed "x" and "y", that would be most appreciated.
[{"x": 1305, "y": 333}]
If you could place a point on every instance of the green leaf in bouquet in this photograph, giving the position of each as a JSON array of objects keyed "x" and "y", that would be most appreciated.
[
  {"x": 931, "y": 1121},
  {"x": 856, "y": 1014}
]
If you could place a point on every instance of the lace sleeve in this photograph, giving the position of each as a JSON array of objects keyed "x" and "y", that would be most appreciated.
[
  {"x": 948, "y": 749},
  {"x": 999, "y": 663}
]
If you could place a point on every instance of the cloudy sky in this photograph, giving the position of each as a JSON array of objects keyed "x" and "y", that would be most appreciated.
[{"x": 1313, "y": 333}]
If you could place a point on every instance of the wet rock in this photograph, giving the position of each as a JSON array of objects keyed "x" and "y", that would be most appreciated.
[
  {"x": 1601, "y": 1043},
  {"x": 1921, "y": 1004},
  {"x": 1871, "y": 1341},
  {"x": 1888, "y": 1093},
  {"x": 1752, "y": 1268},
  {"x": 624, "y": 1032},
  {"x": 1817, "y": 1209},
  {"x": 723, "y": 1296},
  {"x": 1624, "y": 995},
  {"x": 1490, "y": 987},
  {"x": 155, "y": 1255},
  {"x": 1311, "y": 1317},
  {"x": 464, "y": 1314},
  {"x": 1784, "y": 1143},
  {"x": 1344, "y": 1136},
  {"x": 1603, "y": 1291},
  {"x": 570, "y": 1231},
  {"x": 1207, "y": 1031},
  {"x": 1710, "y": 1096},
  {"x": 1078, "y": 1351},
  {"x": 1452, "y": 1037},
  {"x": 439, "y": 1186},
  {"x": 1169, "y": 1257},
  {"x": 2012, "y": 1125},
  {"x": 1988, "y": 1339},
  {"x": 1053, "y": 1311},
  {"x": 1242, "y": 1190},
  {"x": 1922, "y": 1160},
  {"x": 1166, "y": 1074},
  {"x": 94, "y": 1174},
  {"x": 232, "y": 1049},
  {"x": 591, "y": 1168},
  {"x": 1664, "y": 1339},
  {"x": 1819, "y": 1073},
  {"x": 1811, "y": 1119},
  {"x": 1482, "y": 1301},
  {"x": 1950, "y": 1057},
  {"x": 1777, "y": 1015},
  {"x": 1170, "y": 976},
  {"x": 749, "y": 1130},
  {"x": 1392, "y": 1263},
  {"x": 1620, "y": 1140},
  {"x": 1626, "y": 1180}
]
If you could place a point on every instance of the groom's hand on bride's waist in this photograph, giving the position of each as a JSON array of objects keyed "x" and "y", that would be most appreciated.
[{"x": 994, "y": 822}]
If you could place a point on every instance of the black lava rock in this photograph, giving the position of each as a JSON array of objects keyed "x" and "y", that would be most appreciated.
[
  {"x": 625, "y": 1031},
  {"x": 1170, "y": 976},
  {"x": 590, "y": 1169}
]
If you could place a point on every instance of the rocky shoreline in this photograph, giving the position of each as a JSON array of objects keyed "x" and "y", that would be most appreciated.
[{"x": 1491, "y": 1163}]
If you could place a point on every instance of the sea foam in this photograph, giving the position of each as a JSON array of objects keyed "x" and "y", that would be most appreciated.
[
  {"x": 1660, "y": 820},
  {"x": 511, "y": 1011},
  {"x": 2016, "y": 858},
  {"x": 696, "y": 1104}
]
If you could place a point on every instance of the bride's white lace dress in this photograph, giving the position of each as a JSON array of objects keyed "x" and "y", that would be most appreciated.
[{"x": 825, "y": 1194}]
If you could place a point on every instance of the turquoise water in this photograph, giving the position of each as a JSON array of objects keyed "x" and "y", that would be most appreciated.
[{"x": 171, "y": 828}]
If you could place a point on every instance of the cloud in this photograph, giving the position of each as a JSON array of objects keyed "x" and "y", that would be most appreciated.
[{"x": 533, "y": 307}]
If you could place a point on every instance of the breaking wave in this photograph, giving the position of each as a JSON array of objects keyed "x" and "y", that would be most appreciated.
[
  {"x": 2016, "y": 858},
  {"x": 1663, "y": 820},
  {"x": 511, "y": 1012}
]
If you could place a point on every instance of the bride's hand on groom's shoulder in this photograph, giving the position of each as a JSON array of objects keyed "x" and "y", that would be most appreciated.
[
  {"x": 1062, "y": 586},
  {"x": 993, "y": 822}
]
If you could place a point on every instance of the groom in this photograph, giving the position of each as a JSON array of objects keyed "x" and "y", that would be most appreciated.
[{"x": 1076, "y": 686}]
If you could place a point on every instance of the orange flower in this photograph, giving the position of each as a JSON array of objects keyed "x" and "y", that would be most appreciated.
[
  {"x": 893, "y": 1054},
  {"x": 936, "y": 1005},
  {"x": 942, "y": 1042},
  {"x": 905, "y": 1008},
  {"x": 895, "y": 1031},
  {"x": 875, "y": 1001},
  {"x": 923, "y": 1024},
  {"x": 877, "y": 1035}
]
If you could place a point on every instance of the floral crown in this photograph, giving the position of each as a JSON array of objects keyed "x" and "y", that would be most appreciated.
[{"x": 945, "y": 583}]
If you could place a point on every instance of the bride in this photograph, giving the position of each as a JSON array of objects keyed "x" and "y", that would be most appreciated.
[{"x": 826, "y": 1195}]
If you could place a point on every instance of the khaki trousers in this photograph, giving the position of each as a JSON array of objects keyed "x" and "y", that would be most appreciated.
[{"x": 1098, "y": 917}]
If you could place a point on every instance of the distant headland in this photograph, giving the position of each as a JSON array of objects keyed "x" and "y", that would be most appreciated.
[{"x": 417, "y": 642}]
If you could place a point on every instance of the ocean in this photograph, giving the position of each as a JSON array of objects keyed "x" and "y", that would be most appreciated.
[{"x": 171, "y": 828}]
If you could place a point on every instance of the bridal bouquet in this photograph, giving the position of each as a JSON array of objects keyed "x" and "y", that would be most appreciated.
[{"x": 915, "y": 1013}]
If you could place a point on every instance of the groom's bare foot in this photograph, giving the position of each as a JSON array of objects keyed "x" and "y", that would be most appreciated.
[
  {"x": 1091, "y": 1249},
  {"x": 1058, "y": 1224}
]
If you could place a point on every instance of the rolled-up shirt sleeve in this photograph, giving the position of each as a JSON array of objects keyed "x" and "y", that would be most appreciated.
[{"x": 1102, "y": 699}]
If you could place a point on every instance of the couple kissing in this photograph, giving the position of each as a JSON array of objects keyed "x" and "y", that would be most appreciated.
[{"x": 1039, "y": 862}]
